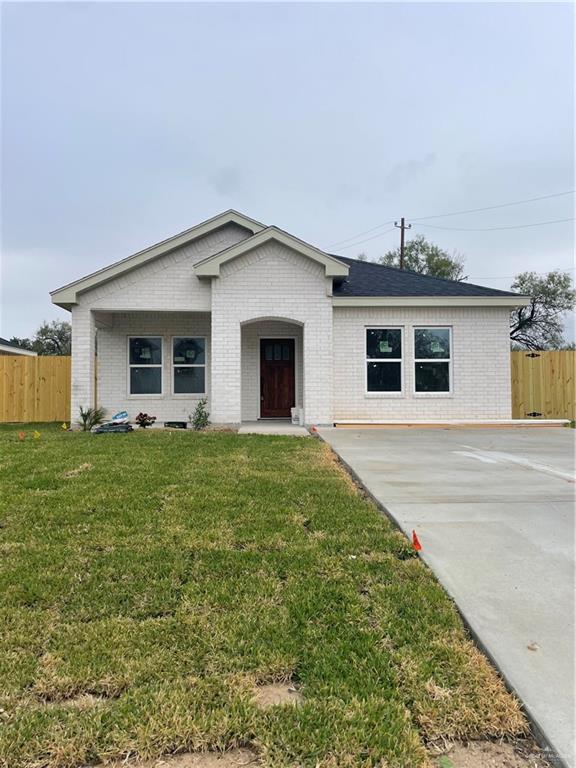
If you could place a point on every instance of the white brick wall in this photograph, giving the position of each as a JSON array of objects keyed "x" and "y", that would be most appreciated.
[
  {"x": 480, "y": 360},
  {"x": 113, "y": 390},
  {"x": 272, "y": 282},
  {"x": 169, "y": 282}
]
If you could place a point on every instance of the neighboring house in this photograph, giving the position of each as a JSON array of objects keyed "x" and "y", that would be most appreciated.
[
  {"x": 259, "y": 321},
  {"x": 9, "y": 348}
]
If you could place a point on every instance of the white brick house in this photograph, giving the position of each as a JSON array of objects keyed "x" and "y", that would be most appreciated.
[{"x": 259, "y": 322}]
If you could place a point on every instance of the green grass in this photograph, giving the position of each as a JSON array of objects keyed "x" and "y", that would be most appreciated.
[{"x": 166, "y": 574}]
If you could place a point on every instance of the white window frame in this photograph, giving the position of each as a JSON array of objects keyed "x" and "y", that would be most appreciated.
[
  {"x": 139, "y": 396},
  {"x": 445, "y": 393},
  {"x": 173, "y": 365},
  {"x": 376, "y": 393}
]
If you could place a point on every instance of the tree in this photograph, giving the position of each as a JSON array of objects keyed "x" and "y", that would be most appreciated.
[
  {"x": 540, "y": 325},
  {"x": 427, "y": 259},
  {"x": 23, "y": 343},
  {"x": 53, "y": 338}
]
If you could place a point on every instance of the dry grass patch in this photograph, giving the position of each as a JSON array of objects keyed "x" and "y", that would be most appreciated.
[
  {"x": 490, "y": 754},
  {"x": 276, "y": 694},
  {"x": 78, "y": 471},
  {"x": 235, "y": 758}
]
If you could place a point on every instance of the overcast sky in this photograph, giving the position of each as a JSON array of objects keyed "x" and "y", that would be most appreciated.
[{"x": 123, "y": 124}]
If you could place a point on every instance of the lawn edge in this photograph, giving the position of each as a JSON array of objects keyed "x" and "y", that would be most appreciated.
[{"x": 548, "y": 750}]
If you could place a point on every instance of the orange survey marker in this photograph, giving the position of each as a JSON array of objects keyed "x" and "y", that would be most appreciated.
[{"x": 416, "y": 542}]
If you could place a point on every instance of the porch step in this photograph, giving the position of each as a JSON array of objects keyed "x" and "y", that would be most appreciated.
[{"x": 272, "y": 428}]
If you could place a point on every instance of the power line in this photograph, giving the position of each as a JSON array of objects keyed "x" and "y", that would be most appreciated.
[
  {"x": 494, "y": 207},
  {"x": 365, "y": 232},
  {"x": 451, "y": 213},
  {"x": 374, "y": 237},
  {"x": 493, "y": 229},
  {"x": 507, "y": 277}
]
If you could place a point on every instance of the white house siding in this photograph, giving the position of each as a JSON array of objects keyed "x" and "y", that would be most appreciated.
[
  {"x": 251, "y": 335},
  {"x": 165, "y": 284},
  {"x": 113, "y": 391},
  {"x": 480, "y": 364},
  {"x": 272, "y": 282}
]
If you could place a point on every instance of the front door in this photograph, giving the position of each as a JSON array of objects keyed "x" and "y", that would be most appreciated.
[{"x": 277, "y": 389}]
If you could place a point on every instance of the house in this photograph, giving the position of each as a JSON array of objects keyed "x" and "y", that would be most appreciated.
[
  {"x": 10, "y": 348},
  {"x": 259, "y": 322}
]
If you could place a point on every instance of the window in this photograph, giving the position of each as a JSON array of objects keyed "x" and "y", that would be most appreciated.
[
  {"x": 189, "y": 365},
  {"x": 145, "y": 362},
  {"x": 432, "y": 355},
  {"x": 384, "y": 359}
]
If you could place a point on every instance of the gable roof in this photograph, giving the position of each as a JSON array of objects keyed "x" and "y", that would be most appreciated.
[
  {"x": 366, "y": 278},
  {"x": 210, "y": 267},
  {"x": 66, "y": 295},
  {"x": 15, "y": 349}
]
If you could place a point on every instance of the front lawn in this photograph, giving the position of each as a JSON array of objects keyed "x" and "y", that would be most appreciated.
[{"x": 150, "y": 581}]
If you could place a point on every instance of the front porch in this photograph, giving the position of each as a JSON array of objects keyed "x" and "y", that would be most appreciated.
[{"x": 163, "y": 363}]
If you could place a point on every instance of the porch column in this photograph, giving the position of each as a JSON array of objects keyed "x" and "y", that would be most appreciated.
[
  {"x": 318, "y": 371},
  {"x": 83, "y": 362},
  {"x": 225, "y": 401}
]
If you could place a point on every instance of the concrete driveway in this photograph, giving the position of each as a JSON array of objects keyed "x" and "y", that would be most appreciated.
[{"x": 494, "y": 511}]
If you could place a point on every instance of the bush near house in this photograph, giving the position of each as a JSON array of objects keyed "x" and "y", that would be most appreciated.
[{"x": 150, "y": 581}]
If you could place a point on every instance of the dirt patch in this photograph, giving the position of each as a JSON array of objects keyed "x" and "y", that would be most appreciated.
[
  {"x": 488, "y": 754},
  {"x": 276, "y": 694},
  {"x": 78, "y": 471},
  {"x": 235, "y": 758}
]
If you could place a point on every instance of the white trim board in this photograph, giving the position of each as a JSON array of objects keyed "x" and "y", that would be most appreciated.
[{"x": 430, "y": 301}]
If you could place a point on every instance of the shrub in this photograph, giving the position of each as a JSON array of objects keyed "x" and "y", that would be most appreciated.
[
  {"x": 199, "y": 419},
  {"x": 143, "y": 420},
  {"x": 91, "y": 417}
]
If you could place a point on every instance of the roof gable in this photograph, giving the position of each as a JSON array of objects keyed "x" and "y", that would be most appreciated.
[
  {"x": 67, "y": 295},
  {"x": 210, "y": 267}
]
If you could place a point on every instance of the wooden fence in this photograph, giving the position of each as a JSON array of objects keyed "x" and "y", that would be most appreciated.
[
  {"x": 38, "y": 388},
  {"x": 34, "y": 388},
  {"x": 543, "y": 385}
]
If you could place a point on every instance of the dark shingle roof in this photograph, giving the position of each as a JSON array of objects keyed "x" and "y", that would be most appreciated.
[{"x": 369, "y": 279}]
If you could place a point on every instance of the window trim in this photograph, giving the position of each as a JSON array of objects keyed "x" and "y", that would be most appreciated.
[
  {"x": 372, "y": 393},
  {"x": 140, "y": 395},
  {"x": 188, "y": 395},
  {"x": 445, "y": 392}
]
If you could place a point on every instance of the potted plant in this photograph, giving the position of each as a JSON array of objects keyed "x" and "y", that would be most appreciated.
[{"x": 143, "y": 420}]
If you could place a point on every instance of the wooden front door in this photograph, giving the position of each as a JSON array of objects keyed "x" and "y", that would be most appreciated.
[{"x": 277, "y": 387}]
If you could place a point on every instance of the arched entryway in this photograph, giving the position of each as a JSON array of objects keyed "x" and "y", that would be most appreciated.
[{"x": 272, "y": 368}]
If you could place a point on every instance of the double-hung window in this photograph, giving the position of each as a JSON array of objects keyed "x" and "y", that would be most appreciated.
[
  {"x": 145, "y": 363},
  {"x": 189, "y": 365},
  {"x": 432, "y": 359},
  {"x": 383, "y": 359}
]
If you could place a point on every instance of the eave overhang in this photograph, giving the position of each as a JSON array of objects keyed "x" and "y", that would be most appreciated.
[{"x": 430, "y": 301}]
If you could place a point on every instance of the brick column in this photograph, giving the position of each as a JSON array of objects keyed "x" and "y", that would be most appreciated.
[
  {"x": 83, "y": 364},
  {"x": 225, "y": 401}
]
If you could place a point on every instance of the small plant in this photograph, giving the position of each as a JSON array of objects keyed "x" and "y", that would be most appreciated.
[
  {"x": 91, "y": 417},
  {"x": 199, "y": 419},
  {"x": 143, "y": 420}
]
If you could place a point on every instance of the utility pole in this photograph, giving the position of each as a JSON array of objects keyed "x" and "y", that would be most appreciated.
[{"x": 402, "y": 226}]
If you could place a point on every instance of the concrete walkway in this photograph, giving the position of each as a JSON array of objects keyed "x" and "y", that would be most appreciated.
[
  {"x": 494, "y": 511},
  {"x": 272, "y": 427}
]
